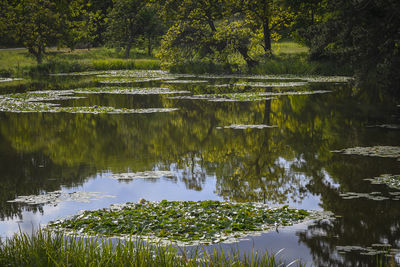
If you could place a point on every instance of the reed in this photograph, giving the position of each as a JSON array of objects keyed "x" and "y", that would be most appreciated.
[{"x": 43, "y": 248}]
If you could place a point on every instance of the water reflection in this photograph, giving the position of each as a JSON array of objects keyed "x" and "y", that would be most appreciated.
[{"x": 292, "y": 163}]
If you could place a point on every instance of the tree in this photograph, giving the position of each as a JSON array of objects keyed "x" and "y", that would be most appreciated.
[
  {"x": 268, "y": 17},
  {"x": 364, "y": 34},
  {"x": 36, "y": 24},
  {"x": 125, "y": 23}
]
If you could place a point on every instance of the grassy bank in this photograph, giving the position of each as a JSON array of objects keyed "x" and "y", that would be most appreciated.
[
  {"x": 44, "y": 249},
  {"x": 288, "y": 58},
  {"x": 18, "y": 62}
]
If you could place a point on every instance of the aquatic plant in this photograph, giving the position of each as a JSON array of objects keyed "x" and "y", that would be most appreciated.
[
  {"x": 142, "y": 175},
  {"x": 250, "y": 126},
  {"x": 59, "y": 196},
  {"x": 375, "y": 151},
  {"x": 392, "y": 181},
  {"x": 184, "y": 221}
]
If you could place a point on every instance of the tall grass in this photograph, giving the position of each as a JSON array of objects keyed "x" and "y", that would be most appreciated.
[{"x": 45, "y": 249}]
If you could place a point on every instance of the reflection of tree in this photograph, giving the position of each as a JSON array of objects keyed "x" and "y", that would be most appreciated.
[
  {"x": 32, "y": 173},
  {"x": 362, "y": 222}
]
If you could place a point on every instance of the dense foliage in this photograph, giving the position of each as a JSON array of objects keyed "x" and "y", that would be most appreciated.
[{"x": 235, "y": 34}]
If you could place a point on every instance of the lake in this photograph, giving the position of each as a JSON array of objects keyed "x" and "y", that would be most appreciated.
[{"x": 278, "y": 140}]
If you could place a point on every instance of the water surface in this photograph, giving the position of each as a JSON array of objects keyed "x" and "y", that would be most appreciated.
[{"x": 290, "y": 163}]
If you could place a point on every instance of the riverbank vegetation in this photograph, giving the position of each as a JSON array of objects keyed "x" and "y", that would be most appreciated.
[
  {"x": 46, "y": 249},
  {"x": 339, "y": 37}
]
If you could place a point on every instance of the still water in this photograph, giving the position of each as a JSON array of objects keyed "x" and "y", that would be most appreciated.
[{"x": 289, "y": 163}]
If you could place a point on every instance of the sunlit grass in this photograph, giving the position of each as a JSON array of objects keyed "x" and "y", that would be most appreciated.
[
  {"x": 18, "y": 62},
  {"x": 287, "y": 47},
  {"x": 46, "y": 249}
]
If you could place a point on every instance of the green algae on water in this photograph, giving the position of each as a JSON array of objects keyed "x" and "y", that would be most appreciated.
[{"x": 182, "y": 221}]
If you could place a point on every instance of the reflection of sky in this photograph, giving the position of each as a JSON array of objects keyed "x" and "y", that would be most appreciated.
[
  {"x": 155, "y": 190},
  {"x": 130, "y": 191}
]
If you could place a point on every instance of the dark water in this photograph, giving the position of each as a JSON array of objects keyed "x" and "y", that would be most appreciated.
[{"x": 290, "y": 164}]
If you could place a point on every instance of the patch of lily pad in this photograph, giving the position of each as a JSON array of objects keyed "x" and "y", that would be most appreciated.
[
  {"x": 376, "y": 196},
  {"x": 59, "y": 196},
  {"x": 375, "y": 151},
  {"x": 262, "y": 84},
  {"x": 185, "y": 222},
  {"x": 128, "y": 91},
  {"x": 373, "y": 250},
  {"x": 3, "y": 80},
  {"x": 49, "y": 95},
  {"x": 142, "y": 175},
  {"x": 231, "y": 97},
  {"x": 247, "y": 126},
  {"x": 29, "y": 102},
  {"x": 386, "y": 126},
  {"x": 392, "y": 181}
]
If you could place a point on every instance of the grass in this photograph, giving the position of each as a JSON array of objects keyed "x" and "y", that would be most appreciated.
[
  {"x": 289, "y": 58},
  {"x": 18, "y": 62},
  {"x": 46, "y": 249}
]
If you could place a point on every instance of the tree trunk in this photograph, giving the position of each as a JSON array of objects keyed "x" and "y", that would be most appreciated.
[
  {"x": 149, "y": 46},
  {"x": 249, "y": 61},
  {"x": 39, "y": 55},
  {"x": 267, "y": 38},
  {"x": 128, "y": 49}
]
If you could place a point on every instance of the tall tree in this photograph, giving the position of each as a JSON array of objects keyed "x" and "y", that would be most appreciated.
[
  {"x": 268, "y": 17},
  {"x": 125, "y": 23},
  {"x": 37, "y": 25}
]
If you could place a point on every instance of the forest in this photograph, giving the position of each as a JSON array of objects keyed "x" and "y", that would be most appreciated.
[{"x": 221, "y": 35}]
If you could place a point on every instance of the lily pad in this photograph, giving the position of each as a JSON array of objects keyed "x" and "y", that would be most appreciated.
[
  {"x": 249, "y": 126},
  {"x": 143, "y": 175},
  {"x": 59, "y": 196},
  {"x": 3, "y": 80},
  {"x": 373, "y": 250},
  {"x": 183, "y": 221},
  {"x": 392, "y": 181},
  {"x": 376, "y": 196},
  {"x": 386, "y": 126},
  {"x": 128, "y": 91},
  {"x": 375, "y": 151}
]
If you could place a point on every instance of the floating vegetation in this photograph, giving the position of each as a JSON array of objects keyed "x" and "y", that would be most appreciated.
[
  {"x": 375, "y": 151},
  {"x": 49, "y": 95},
  {"x": 122, "y": 81},
  {"x": 230, "y": 97},
  {"x": 373, "y": 250},
  {"x": 313, "y": 79},
  {"x": 249, "y": 126},
  {"x": 377, "y": 196},
  {"x": 128, "y": 91},
  {"x": 3, "y": 80},
  {"x": 59, "y": 196},
  {"x": 188, "y": 222},
  {"x": 261, "y": 84},
  {"x": 386, "y": 126},
  {"x": 393, "y": 181},
  {"x": 110, "y": 110},
  {"x": 185, "y": 81},
  {"x": 28, "y": 102},
  {"x": 142, "y": 175}
]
